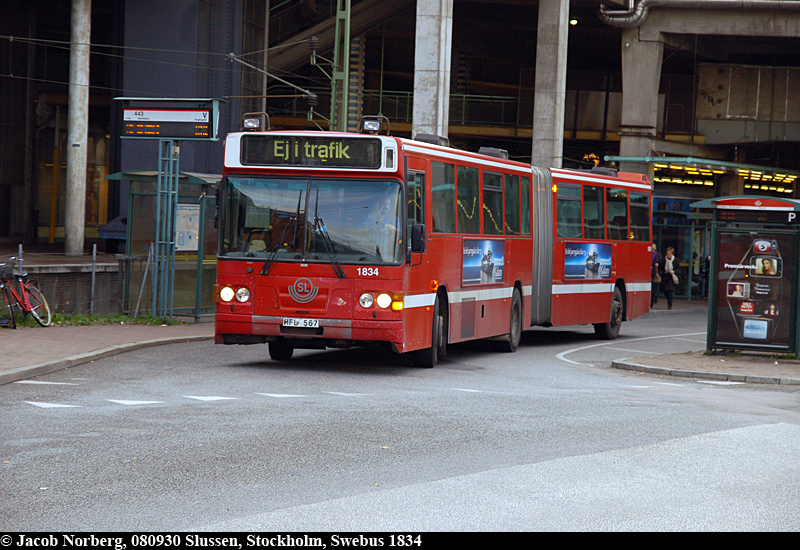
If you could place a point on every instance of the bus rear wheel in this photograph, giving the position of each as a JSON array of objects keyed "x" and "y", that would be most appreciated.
[
  {"x": 515, "y": 326},
  {"x": 280, "y": 350},
  {"x": 610, "y": 330}
]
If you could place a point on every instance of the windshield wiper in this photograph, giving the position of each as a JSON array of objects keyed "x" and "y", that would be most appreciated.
[
  {"x": 319, "y": 225},
  {"x": 273, "y": 255}
]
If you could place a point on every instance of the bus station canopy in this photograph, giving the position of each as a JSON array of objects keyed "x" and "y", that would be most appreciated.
[
  {"x": 152, "y": 175},
  {"x": 749, "y": 202}
]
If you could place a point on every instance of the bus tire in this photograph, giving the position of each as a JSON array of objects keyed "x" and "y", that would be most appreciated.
[
  {"x": 428, "y": 357},
  {"x": 610, "y": 330},
  {"x": 280, "y": 350},
  {"x": 515, "y": 326}
]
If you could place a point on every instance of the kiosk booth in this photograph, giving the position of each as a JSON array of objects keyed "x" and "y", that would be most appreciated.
[{"x": 754, "y": 268}]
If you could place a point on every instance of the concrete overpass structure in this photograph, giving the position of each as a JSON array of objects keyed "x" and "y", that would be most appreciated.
[{"x": 632, "y": 80}]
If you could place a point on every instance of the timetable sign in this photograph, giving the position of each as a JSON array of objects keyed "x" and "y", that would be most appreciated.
[{"x": 166, "y": 123}]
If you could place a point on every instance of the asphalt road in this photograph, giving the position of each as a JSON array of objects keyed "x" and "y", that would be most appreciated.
[{"x": 200, "y": 437}]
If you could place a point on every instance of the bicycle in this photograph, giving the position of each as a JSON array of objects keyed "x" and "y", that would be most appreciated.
[{"x": 29, "y": 299}]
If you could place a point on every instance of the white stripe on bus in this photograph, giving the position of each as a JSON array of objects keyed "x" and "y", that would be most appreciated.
[
  {"x": 480, "y": 295},
  {"x": 594, "y": 288}
]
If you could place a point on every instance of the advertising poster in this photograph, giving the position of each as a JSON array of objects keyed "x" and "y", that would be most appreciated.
[
  {"x": 587, "y": 261},
  {"x": 187, "y": 227},
  {"x": 754, "y": 306},
  {"x": 482, "y": 262}
]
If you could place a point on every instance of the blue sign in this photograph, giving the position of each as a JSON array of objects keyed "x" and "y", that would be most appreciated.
[
  {"x": 482, "y": 262},
  {"x": 587, "y": 261}
]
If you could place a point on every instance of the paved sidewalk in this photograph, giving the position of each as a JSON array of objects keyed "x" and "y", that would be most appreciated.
[
  {"x": 751, "y": 367},
  {"x": 30, "y": 352}
]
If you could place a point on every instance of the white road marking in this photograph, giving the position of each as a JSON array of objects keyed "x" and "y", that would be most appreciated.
[
  {"x": 127, "y": 402},
  {"x": 50, "y": 405},
  {"x": 208, "y": 397},
  {"x": 466, "y": 390},
  {"x": 562, "y": 355},
  {"x": 718, "y": 382},
  {"x": 41, "y": 382}
]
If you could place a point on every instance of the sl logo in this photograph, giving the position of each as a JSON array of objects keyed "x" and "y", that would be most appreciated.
[{"x": 303, "y": 291}]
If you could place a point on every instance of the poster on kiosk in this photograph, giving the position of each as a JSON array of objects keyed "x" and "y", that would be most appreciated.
[{"x": 754, "y": 305}]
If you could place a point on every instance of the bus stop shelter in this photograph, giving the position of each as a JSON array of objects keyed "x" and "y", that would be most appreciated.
[
  {"x": 754, "y": 274},
  {"x": 195, "y": 242}
]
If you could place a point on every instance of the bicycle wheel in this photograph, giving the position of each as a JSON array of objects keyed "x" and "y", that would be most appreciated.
[
  {"x": 8, "y": 308},
  {"x": 39, "y": 308}
]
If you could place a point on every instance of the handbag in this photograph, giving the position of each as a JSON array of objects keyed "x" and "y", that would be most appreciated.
[
  {"x": 657, "y": 278},
  {"x": 675, "y": 279}
]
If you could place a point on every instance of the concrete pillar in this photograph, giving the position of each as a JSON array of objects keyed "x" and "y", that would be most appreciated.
[
  {"x": 641, "y": 75},
  {"x": 729, "y": 185},
  {"x": 78, "y": 126},
  {"x": 551, "y": 83},
  {"x": 432, "y": 59}
]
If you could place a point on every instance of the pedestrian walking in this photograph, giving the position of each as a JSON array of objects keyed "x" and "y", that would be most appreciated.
[
  {"x": 655, "y": 277},
  {"x": 670, "y": 271}
]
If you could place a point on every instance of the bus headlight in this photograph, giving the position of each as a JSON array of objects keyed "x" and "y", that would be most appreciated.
[
  {"x": 226, "y": 294},
  {"x": 384, "y": 300},
  {"x": 242, "y": 294},
  {"x": 366, "y": 300}
]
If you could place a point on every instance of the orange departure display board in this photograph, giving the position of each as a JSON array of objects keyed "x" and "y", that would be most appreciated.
[{"x": 167, "y": 123}]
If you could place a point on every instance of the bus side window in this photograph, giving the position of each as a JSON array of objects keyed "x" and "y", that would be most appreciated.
[
  {"x": 469, "y": 219},
  {"x": 640, "y": 216},
  {"x": 443, "y": 197},
  {"x": 512, "y": 204},
  {"x": 492, "y": 203},
  {"x": 594, "y": 226},
  {"x": 617, "y": 204},
  {"x": 525, "y": 203},
  {"x": 568, "y": 211},
  {"x": 415, "y": 199}
]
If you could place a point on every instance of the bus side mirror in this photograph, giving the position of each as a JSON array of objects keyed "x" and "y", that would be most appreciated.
[{"x": 419, "y": 239}]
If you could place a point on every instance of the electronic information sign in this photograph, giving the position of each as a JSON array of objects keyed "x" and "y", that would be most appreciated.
[
  {"x": 167, "y": 123},
  {"x": 177, "y": 119},
  {"x": 335, "y": 151}
]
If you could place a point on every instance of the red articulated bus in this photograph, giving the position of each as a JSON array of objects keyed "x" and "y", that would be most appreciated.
[{"x": 341, "y": 239}]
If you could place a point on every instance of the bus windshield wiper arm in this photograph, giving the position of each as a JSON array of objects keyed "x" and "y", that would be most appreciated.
[
  {"x": 296, "y": 220},
  {"x": 319, "y": 225}
]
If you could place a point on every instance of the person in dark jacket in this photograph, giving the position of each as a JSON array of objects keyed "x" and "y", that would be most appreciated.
[
  {"x": 655, "y": 277},
  {"x": 670, "y": 270}
]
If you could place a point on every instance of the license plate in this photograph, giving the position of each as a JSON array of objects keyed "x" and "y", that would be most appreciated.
[{"x": 300, "y": 323}]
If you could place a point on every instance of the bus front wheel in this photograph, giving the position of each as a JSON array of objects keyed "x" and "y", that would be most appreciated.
[
  {"x": 428, "y": 357},
  {"x": 610, "y": 330},
  {"x": 280, "y": 350}
]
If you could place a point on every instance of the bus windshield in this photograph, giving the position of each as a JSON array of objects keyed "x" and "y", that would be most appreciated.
[{"x": 311, "y": 219}]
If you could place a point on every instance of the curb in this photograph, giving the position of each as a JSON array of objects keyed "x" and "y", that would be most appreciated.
[
  {"x": 662, "y": 371},
  {"x": 23, "y": 373}
]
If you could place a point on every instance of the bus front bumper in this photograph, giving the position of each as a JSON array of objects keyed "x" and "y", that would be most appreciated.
[{"x": 247, "y": 329}]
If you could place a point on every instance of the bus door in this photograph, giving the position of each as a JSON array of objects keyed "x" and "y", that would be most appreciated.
[{"x": 417, "y": 284}]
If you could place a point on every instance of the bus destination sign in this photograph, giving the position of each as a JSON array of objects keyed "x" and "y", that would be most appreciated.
[
  {"x": 166, "y": 123},
  {"x": 327, "y": 152}
]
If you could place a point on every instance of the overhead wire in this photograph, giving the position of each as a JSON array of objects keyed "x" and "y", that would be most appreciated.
[{"x": 96, "y": 49}]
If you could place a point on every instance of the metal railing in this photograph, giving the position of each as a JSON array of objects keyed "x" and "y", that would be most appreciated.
[{"x": 399, "y": 106}]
